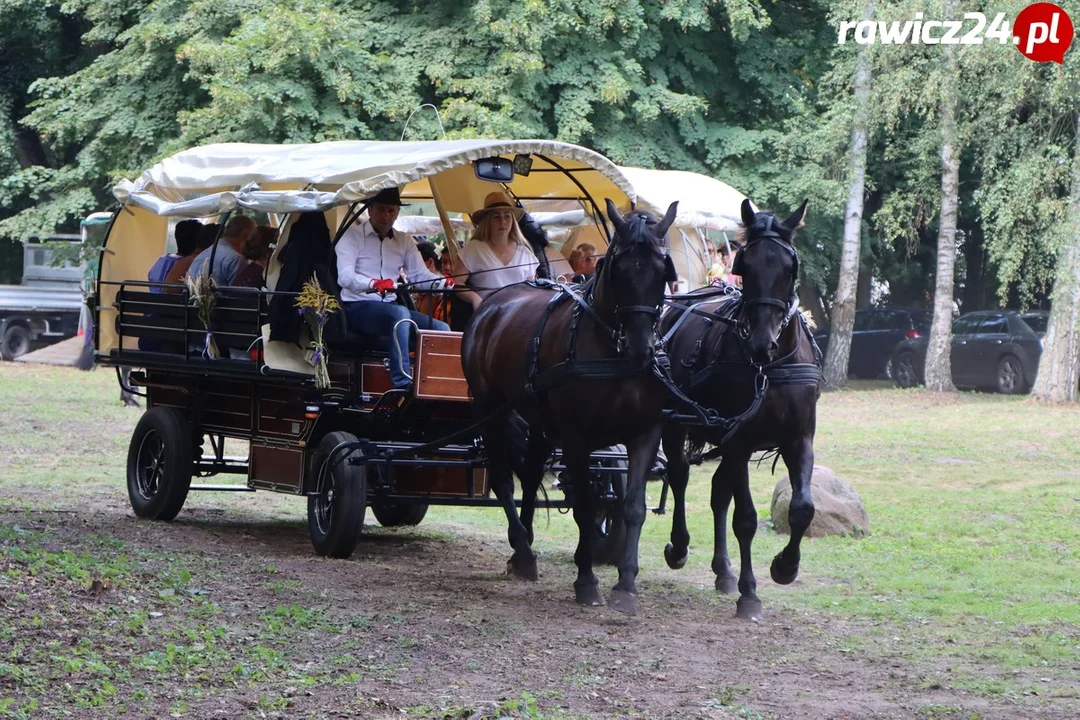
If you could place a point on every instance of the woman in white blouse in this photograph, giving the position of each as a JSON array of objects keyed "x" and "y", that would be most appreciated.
[{"x": 497, "y": 255}]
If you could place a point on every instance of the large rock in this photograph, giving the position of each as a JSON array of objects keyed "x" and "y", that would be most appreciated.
[{"x": 838, "y": 509}]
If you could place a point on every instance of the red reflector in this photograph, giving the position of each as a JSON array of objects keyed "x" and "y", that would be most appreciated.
[{"x": 911, "y": 334}]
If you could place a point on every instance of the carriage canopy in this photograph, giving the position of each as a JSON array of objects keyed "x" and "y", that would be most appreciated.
[
  {"x": 287, "y": 178},
  {"x": 330, "y": 177}
]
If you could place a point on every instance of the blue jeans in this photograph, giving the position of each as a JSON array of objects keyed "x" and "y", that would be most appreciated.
[{"x": 378, "y": 319}]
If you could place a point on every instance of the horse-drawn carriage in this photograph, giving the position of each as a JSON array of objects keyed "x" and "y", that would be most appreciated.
[
  {"x": 263, "y": 391},
  {"x": 319, "y": 416}
]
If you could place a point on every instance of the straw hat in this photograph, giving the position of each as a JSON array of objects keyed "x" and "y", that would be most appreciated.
[{"x": 497, "y": 200}]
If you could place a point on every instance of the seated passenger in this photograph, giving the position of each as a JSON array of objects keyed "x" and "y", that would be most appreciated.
[
  {"x": 583, "y": 262},
  {"x": 256, "y": 250},
  {"x": 186, "y": 232},
  {"x": 497, "y": 255},
  {"x": 226, "y": 252},
  {"x": 369, "y": 256},
  {"x": 203, "y": 239},
  {"x": 430, "y": 304}
]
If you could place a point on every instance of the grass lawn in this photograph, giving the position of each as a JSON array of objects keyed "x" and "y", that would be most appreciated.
[{"x": 971, "y": 567}]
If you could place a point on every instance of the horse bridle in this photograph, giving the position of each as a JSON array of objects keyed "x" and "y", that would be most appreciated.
[
  {"x": 618, "y": 334},
  {"x": 789, "y": 307}
]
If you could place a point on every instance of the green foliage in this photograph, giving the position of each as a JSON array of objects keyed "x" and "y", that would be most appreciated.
[{"x": 755, "y": 92}]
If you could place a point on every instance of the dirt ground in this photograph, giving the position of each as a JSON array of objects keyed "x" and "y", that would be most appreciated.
[
  {"x": 444, "y": 634},
  {"x": 227, "y": 612}
]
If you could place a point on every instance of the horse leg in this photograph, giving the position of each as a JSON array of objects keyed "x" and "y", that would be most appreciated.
[
  {"x": 744, "y": 522},
  {"x": 720, "y": 500},
  {"x": 587, "y": 586},
  {"x": 532, "y": 475},
  {"x": 642, "y": 453},
  {"x": 522, "y": 563},
  {"x": 678, "y": 475},
  {"x": 799, "y": 458}
]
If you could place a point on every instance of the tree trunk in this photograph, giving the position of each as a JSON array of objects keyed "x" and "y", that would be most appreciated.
[
  {"x": 810, "y": 299},
  {"x": 938, "y": 361},
  {"x": 862, "y": 290},
  {"x": 842, "y": 320},
  {"x": 1060, "y": 361},
  {"x": 974, "y": 296}
]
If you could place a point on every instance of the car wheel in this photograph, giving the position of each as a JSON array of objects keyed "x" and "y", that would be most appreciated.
[
  {"x": 904, "y": 370},
  {"x": 888, "y": 369},
  {"x": 16, "y": 342},
  {"x": 1010, "y": 376}
]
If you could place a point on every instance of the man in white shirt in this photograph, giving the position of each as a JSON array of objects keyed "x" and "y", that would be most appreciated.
[{"x": 370, "y": 256}]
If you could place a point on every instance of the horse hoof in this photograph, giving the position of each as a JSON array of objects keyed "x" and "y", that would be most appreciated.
[
  {"x": 727, "y": 585},
  {"x": 523, "y": 567},
  {"x": 779, "y": 576},
  {"x": 748, "y": 609},
  {"x": 623, "y": 601},
  {"x": 673, "y": 562},
  {"x": 589, "y": 595}
]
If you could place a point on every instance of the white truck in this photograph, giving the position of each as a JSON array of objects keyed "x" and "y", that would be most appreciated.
[{"x": 47, "y": 305}]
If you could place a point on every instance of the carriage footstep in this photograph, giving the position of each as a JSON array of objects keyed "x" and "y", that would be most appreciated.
[
  {"x": 589, "y": 594},
  {"x": 623, "y": 601},
  {"x": 749, "y": 609}
]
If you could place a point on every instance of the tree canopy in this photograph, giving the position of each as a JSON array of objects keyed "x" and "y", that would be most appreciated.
[{"x": 756, "y": 93}]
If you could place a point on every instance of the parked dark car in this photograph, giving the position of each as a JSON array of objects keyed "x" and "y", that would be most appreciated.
[
  {"x": 994, "y": 349},
  {"x": 877, "y": 333}
]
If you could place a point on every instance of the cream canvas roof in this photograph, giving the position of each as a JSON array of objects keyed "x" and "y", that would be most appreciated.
[
  {"x": 704, "y": 202},
  {"x": 286, "y": 178}
]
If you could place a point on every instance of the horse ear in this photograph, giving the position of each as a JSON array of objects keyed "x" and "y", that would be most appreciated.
[
  {"x": 669, "y": 219},
  {"x": 748, "y": 215},
  {"x": 797, "y": 217},
  {"x": 615, "y": 217}
]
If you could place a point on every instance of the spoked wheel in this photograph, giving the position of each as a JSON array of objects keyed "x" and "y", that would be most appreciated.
[
  {"x": 160, "y": 464},
  {"x": 904, "y": 371},
  {"x": 609, "y": 528},
  {"x": 1010, "y": 376},
  {"x": 337, "y": 506},
  {"x": 390, "y": 515}
]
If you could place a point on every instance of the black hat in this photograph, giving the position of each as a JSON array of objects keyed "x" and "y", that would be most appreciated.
[{"x": 389, "y": 196}]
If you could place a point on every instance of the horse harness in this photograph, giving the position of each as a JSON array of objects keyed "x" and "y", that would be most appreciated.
[
  {"x": 571, "y": 368},
  {"x": 777, "y": 372}
]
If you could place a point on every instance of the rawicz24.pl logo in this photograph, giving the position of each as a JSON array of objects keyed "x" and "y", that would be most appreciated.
[{"x": 1041, "y": 32}]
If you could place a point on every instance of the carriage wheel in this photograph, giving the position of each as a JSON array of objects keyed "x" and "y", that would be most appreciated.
[
  {"x": 160, "y": 464},
  {"x": 336, "y": 509},
  {"x": 609, "y": 528},
  {"x": 390, "y": 515}
]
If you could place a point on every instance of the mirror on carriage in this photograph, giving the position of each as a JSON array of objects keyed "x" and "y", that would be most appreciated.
[{"x": 496, "y": 169}]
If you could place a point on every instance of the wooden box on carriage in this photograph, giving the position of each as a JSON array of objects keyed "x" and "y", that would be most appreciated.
[{"x": 438, "y": 373}]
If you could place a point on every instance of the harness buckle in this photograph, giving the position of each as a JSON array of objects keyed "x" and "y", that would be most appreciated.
[{"x": 761, "y": 382}]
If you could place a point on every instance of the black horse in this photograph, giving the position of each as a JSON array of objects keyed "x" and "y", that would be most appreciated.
[
  {"x": 577, "y": 365},
  {"x": 736, "y": 354}
]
